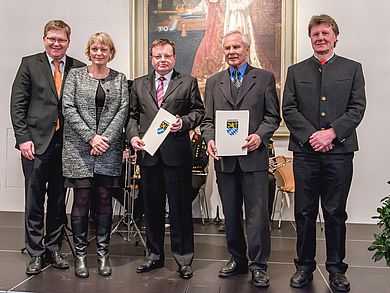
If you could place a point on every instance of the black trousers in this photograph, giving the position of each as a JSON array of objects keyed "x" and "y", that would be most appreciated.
[
  {"x": 325, "y": 176},
  {"x": 43, "y": 175},
  {"x": 158, "y": 182},
  {"x": 252, "y": 189}
]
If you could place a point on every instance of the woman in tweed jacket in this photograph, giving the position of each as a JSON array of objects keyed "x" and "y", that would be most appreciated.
[{"x": 95, "y": 106}]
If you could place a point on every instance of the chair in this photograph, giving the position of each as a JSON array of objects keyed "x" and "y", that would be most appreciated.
[{"x": 285, "y": 187}]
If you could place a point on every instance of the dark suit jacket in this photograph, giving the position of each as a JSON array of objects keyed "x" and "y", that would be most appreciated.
[
  {"x": 182, "y": 98},
  {"x": 35, "y": 105},
  {"x": 319, "y": 97},
  {"x": 258, "y": 95}
]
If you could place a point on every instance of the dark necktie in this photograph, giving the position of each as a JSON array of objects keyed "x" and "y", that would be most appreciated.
[
  {"x": 160, "y": 90},
  {"x": 58, "y": 82},
  {"x": 236, "y": 79}
]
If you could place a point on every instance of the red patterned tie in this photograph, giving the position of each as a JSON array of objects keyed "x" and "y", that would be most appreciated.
[
  {"x": 160, "y": 90},
  {"x": 323, "y": 62}
]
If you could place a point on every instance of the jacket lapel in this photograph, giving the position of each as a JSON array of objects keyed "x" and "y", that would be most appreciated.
[
  {"x": 173, "y": 84},
  {"x": 225, "y": 87},
  {"x": 150, "y": 88},
  {"x": 45, "y": 66},
  {"x": 248, "y": 82},
  {"x": 68, "y": 66}
]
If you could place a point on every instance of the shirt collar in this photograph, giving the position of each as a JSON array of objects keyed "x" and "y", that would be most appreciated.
[
  {"x": 167, "y": 76},
  {"x": 325, "y": 60},
  {"x": 241, "y": 69},
  {"x": 63, "y": 59}
]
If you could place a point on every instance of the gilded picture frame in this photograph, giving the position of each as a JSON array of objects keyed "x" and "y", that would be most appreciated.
[{"x": 197, "y": 27}]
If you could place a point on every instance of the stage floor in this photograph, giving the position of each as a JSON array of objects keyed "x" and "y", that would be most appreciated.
[{"x": 210, "y": 255}]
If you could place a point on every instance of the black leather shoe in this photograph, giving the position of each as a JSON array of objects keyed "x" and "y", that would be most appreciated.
[
  {"x": 185, "y": 272},
  {"x": 55, "y": 258},
  {"x": 34, "y": 266},
  {"x": 150, "y": 265},
  {"x": 300, "y": 279},
  {"x": 231, "y": 269},
  {"x": 260, "y": 278},
  {"x": 339, "y": 282}
]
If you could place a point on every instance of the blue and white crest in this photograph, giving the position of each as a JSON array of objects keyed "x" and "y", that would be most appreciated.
[
  {"x": 163, "y": 126},
  {"x": 232, "y": 127}
]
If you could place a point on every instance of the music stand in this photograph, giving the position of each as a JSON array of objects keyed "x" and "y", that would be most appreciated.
[{"x": 129, "y": 197}]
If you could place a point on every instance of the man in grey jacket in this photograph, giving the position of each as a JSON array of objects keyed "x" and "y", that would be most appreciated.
[
  {"x": 243, "y": 179},
  {"x": 323, "y": 103}
]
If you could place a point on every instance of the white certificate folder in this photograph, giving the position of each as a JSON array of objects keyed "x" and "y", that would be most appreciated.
[
  {"x": 158, "y": 131},
  {"x": 231, "y": 129}
]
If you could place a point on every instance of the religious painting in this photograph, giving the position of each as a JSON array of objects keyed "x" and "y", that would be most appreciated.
[{"x": 197, "y": 28}]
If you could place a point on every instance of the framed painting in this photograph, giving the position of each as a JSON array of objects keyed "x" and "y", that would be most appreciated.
[{"x": 197, "y": 28}]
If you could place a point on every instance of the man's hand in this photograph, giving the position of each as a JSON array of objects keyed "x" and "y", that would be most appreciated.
[
  {"x": 321, "y": 141},
  {"x": 177, "y": 125},
  {"x": 137, "y": 143},
  {"x": 27, "y": 149},
  {"x": 253, "y": 141},
  {"x": 99, "y": 145},
  {"x": 212, "y": 150}
]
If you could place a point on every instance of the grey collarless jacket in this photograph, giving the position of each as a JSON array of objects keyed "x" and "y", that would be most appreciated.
[{"x": 79, "y": 109}]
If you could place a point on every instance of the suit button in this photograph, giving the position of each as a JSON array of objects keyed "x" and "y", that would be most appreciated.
[
  {"x": 323, "y": 98},
  {"x": 323, "y": 114}
]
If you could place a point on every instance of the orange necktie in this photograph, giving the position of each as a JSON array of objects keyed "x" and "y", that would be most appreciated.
[{"x": 58, "y": 83}]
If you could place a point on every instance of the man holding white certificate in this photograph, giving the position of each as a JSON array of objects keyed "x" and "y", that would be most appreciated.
[
  {"x": 166, "y": 172},
  {"x": 242, "y": 177}
]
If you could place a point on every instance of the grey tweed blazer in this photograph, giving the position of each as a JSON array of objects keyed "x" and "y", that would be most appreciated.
[{"x": 79, "y": 111}]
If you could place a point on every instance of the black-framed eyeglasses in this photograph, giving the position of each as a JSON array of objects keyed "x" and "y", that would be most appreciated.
[
  {"x": 159, "y": 57},
  {"x": 60, "y": 41}
]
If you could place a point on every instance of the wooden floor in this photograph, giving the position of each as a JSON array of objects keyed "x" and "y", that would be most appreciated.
[{"x": 210, "y": 254}]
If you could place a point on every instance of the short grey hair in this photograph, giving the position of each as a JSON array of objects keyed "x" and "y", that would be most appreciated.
[{"x": 244, "y": 38}]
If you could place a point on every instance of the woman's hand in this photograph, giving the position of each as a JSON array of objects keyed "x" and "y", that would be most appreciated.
[{"x": 99, "y": 145}]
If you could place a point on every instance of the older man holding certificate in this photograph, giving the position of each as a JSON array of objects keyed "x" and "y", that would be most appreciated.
[{"x": 243, "y": 178}]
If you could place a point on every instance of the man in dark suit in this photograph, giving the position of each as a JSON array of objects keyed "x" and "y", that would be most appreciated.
[
  {"x": 37, "y": 120},
  {"x": 324, "y": 101},
  {"x": 243, "y": 178},
  {"x": 168, "y": 172}
]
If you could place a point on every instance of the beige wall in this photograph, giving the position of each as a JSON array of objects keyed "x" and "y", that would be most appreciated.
[{"x": 364, "y": 29}]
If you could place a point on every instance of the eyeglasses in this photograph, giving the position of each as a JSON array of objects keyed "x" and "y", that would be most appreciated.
[
  {"x": 60, "y": 41},
  {"x": 159, "y": 57}
]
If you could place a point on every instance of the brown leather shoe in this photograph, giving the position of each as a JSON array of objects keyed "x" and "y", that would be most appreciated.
[
  {"x": 34, "y": 266},
  {"x": 231, "y": 269},
  {"x": 150, "y": 265}
]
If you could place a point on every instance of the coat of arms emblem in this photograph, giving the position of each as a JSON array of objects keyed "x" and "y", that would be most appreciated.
[
  {"x": 162, "y": 127},
  {"x": 232, "y": 127}
]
